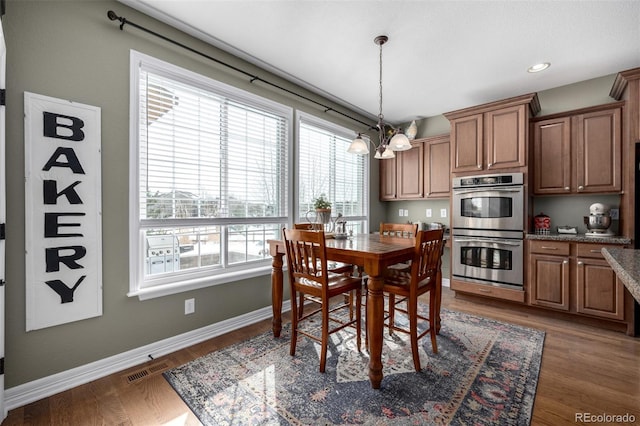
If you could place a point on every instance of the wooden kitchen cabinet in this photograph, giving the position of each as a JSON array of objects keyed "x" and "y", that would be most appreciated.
[
  {"x": 579, "y": 152},
  {"x": 388, "y": 179},
  {"x": 437, "y": 167},
  {"x": 410, "y": 172},
  {"x": 401, "y": 178},
  {"x": 599, "y": 292},
  {"x": 419, "y": 173},
  {"x": 574, "y": 277},
  {"x": 493, "y": 136},
  {"x": 549, "y": 274}
]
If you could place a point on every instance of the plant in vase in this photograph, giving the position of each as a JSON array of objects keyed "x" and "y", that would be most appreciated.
[{"x": 323, "y": 209}]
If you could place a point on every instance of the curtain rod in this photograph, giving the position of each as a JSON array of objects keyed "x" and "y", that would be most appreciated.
[{"x": 112, "y": 16}]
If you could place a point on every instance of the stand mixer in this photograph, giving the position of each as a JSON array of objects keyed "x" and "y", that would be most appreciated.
[{"x": 598, "y": 221}]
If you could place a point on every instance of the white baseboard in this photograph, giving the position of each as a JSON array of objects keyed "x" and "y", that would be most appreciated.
[{"x": 27, "y": 393}]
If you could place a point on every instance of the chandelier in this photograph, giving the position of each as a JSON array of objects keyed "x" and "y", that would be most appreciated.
[{"x": 389, "y": 138}]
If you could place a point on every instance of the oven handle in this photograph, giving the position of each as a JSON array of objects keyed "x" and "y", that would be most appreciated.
[
  {"x": 473, "y": 191},
  {"x": 486, "y": 240}
]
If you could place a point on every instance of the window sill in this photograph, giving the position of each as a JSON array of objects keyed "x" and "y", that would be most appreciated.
[{"x": 194, "y": 284}]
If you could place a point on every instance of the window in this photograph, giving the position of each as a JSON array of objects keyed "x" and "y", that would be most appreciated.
[
  {"x": 325, "y": 167},
  {"x": 209, "y": 179}
]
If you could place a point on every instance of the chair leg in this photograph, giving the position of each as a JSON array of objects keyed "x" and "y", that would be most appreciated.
[
  {"x": 412, "y": 305},
  {"x": 301, "y": 308},
  {"x": 432, "y": 319},
  {"x": 294, "y": 325},
  {"x": 325, "y": 336},
  {"x": 358, "y": 318},
  {"x": 392, "y": 312}
]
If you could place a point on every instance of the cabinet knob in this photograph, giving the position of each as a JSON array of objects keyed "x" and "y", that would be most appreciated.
[
  {"x": 566, "y": 188},
  {"x": 580, "y": 188},
  {"x": 580, "y": 263},
  {"x": 489, "y": 165},
  {"x": 479, "y": 166},
  {"x": 565, "y": 262},
  {"x": 428, "y": 193}
]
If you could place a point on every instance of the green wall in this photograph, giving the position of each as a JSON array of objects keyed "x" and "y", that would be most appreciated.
[{"x": 70, "y": 50}]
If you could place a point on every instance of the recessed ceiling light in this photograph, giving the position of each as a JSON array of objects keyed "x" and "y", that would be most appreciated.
[{"x": 539, "y": 67}]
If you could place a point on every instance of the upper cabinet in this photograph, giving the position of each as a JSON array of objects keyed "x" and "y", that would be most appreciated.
[
  {"x": 401, "y": 178},
  {"x": 437, "y": 167},
  {"x": 578, "y": 152},
  {"x": 419, "y": 173},
  {"x": 410, "y": 172},
  {"x": 492, "y": 136}
]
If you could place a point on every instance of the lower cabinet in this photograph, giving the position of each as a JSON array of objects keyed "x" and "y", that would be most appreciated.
[{"x": 574, "y": 277}]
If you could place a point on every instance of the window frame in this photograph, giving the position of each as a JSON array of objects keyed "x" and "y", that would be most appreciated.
[
  {"x": 341, "y": 131},
  {"x": 185, "y": 280}
]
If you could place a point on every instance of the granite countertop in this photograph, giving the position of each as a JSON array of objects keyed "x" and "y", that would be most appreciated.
[
  {"x": 626, "y": 264},
  {"x": 580, "y": 238}
]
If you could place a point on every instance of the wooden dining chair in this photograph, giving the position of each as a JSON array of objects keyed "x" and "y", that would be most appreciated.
[
  {"x": 401, "y": 230},
  {"x": 308, "y": 275},
  {"x": 336, "y": 267},
  {"x": 406, "y": 230},
  {"x": 424, "y": 277}
]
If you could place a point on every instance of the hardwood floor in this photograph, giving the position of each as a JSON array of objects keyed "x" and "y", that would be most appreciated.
[{"x": 584, "y": 370}]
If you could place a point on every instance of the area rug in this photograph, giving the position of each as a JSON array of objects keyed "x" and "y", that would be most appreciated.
[{"x": 485, "y": 373}]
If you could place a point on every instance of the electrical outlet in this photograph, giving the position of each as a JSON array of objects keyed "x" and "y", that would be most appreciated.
[
  {"x": 429, "y": 213},
  {"x": 443, "y": 212},
  {"x": 615, "y": 214},
  {"x": 400, "y": 212},
  {"x": 189, "y": 306},
  {"x": 406, "y": 213}
]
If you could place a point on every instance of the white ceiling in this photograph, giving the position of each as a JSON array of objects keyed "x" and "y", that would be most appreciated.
[{"x": 441, "y": 55}]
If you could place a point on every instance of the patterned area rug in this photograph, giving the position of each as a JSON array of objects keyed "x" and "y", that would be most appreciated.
[{"x": 485, "y": 373}]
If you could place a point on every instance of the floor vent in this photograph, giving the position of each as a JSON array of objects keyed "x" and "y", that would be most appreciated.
[{"x": 147, "y": 371}]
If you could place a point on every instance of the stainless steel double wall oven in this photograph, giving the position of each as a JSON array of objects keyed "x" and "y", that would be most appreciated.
[{"x": 488, "y": 229}]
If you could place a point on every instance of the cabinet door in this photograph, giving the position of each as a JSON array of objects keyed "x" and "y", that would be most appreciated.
[
  {"x": 506, "y": 137},
  {"x": 437, "y": 167},
  {"x": 387, "y": 179},
  {"x": 466, "y": 144},
  {"x": 599, "y": 291},
  {"x": 410, "y": 169},
  {"x": 599, "y": 142},
  {"x": 552, "y": 156},
  {"x": 549, "y": 281}
]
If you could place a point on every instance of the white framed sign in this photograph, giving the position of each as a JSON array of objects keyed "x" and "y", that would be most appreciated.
[{"x": 63, "y": 216}]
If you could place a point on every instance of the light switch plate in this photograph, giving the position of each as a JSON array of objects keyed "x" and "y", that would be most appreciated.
[
  {"x": 443, "y": 212},
  {"x": 429, "y": 213},
  {"x": 406, "y": 213},
  {"x": 615, "y": 214},
  {"x": 400, "y": 212},
  {"x": 189, "y": 306}
]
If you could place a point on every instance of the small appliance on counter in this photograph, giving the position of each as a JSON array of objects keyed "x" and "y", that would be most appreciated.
[
  {"x": 542, "y": 224},
  {"x": 598, "y": 221}
]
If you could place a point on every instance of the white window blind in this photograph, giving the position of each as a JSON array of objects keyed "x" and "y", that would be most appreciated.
[
  {"x": 325, "y": 167},
  {"x": 212, "y": 175}
]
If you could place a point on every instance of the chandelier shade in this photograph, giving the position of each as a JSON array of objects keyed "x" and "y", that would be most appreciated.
[{"x": 390, "y": 139}]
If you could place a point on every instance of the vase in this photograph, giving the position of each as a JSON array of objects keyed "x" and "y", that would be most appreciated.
[{"x": 412, "y": 130}]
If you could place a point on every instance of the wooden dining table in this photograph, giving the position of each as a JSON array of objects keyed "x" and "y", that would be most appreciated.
[{"x": 374, "y": 253}]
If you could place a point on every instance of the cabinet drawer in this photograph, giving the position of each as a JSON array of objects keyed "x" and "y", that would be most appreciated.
[
  {"x": 591, "y": 250},
  {"x": 559, "y": 248}
]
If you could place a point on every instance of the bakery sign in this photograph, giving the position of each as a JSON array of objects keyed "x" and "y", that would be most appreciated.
[{"x": 63, "y": 226}]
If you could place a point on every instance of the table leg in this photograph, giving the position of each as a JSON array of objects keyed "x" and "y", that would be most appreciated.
[
  {"x": 438, "y": 300},
  {"x": 276, "y": 293},
  {"x": 375, "y": 319}
]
